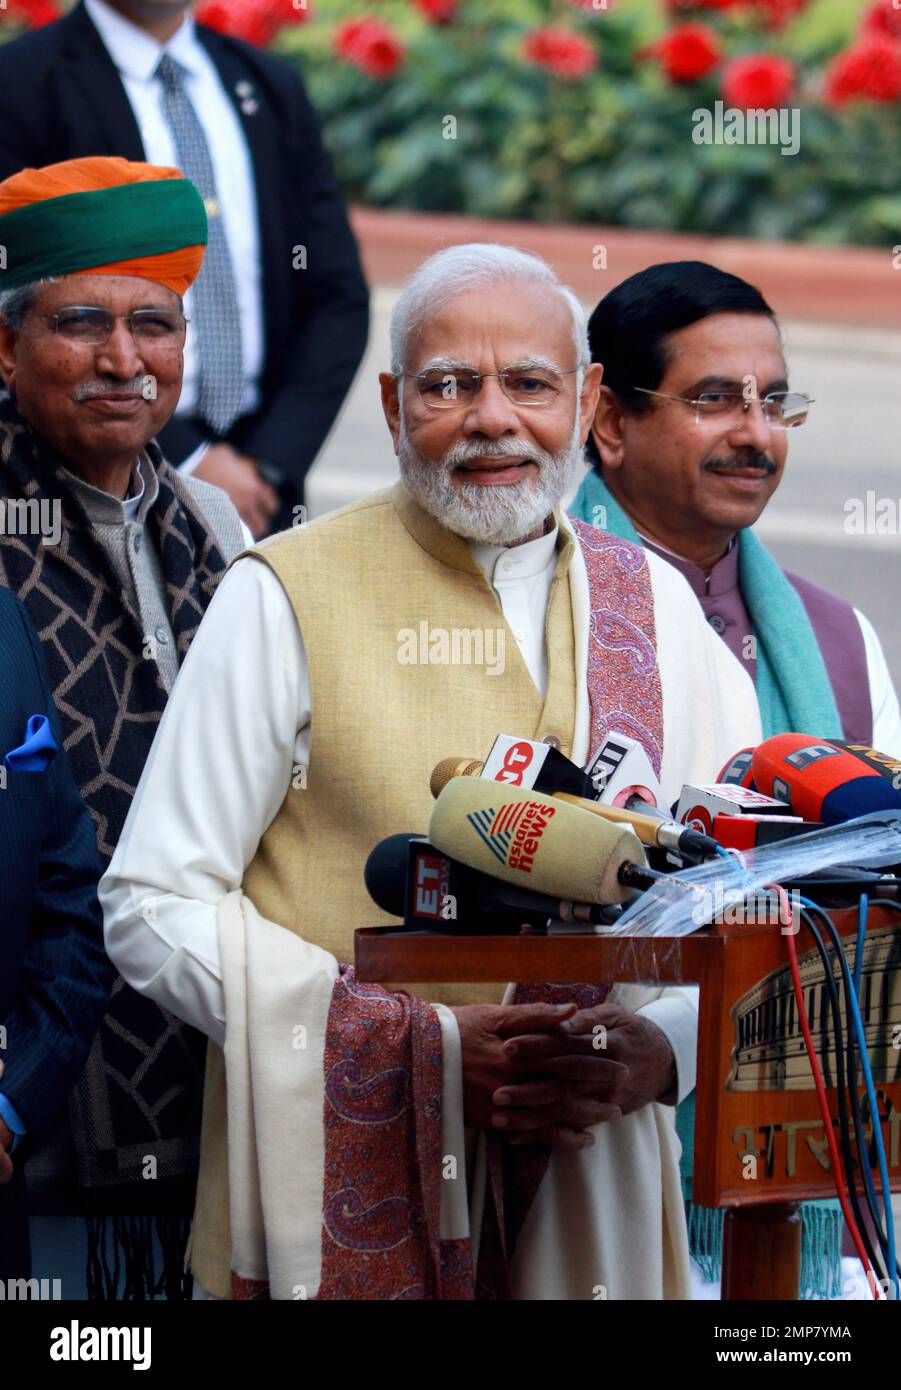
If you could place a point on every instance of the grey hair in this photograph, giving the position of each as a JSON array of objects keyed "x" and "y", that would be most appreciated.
[
  {"x": 15, "y": 303},
  {"x": 473, "y": 266}
]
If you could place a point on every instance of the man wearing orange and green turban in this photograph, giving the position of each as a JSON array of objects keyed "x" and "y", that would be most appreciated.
[{"x": 116, "y": 557}]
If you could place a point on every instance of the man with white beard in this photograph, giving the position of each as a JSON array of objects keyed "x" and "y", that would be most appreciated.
[{"x": 435, "y": 1143}]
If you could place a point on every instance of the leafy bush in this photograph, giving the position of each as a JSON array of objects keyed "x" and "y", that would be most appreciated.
[
  {"x": 563, "y": 112},
  {"x": 584, "y": 110}
]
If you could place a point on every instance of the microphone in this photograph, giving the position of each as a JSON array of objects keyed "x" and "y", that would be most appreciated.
[
  {"x": 649, "y": 825},
  {"x": 555, "y": 848},
  {"x": 827, "y": 779},
  {"x": 408, "y": 877},
  {"x": 622, "y": 775},
  {"x": 737, "y": 771},
  {"x": 518, "y": 762}
]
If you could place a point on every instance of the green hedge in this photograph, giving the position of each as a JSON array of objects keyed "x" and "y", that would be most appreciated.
[{"x": 612, "y": 147}]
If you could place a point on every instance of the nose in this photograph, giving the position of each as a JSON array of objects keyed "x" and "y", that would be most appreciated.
[
  {"x": 120, "y": 356},
  {"x": 492, "y": 412},
  {"x": 752, "y": 429}
]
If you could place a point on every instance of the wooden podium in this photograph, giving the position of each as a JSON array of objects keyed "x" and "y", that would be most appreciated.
[{"x": 760, "y": 1145}]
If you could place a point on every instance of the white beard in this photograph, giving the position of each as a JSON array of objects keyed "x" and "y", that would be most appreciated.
[{"x": 501, "y": 515}]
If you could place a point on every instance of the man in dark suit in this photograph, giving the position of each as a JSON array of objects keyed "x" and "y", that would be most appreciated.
[
  {"x": 279, "y": 324},
  {"x": 55, "y": 977}
]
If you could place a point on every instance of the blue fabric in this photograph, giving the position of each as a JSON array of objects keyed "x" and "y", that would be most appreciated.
[
  {"x": 39, "y": 749},
  {"x": 55, "y": 977},
  {"x": 794, "y": 695},
  {"x": 13, "y": 1121},
  {"x": 793, "y": 688}
]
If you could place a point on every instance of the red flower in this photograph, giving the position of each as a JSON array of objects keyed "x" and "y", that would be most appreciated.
[
  {"x": 869, "y": 70},
  {"x": 562, "y": 53},
  {"x": 254, "y": 21},
  {"x": 438, "y": 11},
  {"x": 371, "y": 45},
  {"x": 778, "y": 13},
  {"x": 758, "y": 81},
  {"x": 295, "y": 11},
  {"x": 688, "y": 52},
  {"x": 34, "y": 13},
  {"x": 883, "y": 18}
]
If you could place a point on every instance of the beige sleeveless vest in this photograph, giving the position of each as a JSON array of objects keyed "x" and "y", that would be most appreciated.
[{"x": 380, "y": 591}]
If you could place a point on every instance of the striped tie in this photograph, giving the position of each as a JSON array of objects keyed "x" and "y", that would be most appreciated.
[{"x": 217, "y": 320}]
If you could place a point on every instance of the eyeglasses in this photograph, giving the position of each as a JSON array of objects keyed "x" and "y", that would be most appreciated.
[
  {"x": 442, "y": 388},
  {"x": 783, "y": 410},
  {"x": 81, "y": 323}
]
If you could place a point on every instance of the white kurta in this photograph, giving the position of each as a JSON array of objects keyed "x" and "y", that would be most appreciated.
[{"x": 239, "y": 719}]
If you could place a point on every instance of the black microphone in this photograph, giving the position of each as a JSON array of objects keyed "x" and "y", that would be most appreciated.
[
  {"x": 406, "y": 876},
  {"x": 524, "y": 764}
]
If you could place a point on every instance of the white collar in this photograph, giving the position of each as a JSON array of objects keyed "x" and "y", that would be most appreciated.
[
  {"x": 134, "y": 52},
  {"x": 506, "y": 564},
  {"x": 649, "y": 540},
  {"x": 131, "y": 505}
]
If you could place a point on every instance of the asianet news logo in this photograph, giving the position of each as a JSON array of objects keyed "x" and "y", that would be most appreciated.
[{"x": 514, "y": 832}]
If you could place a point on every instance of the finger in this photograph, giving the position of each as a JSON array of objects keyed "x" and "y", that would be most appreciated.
[
  {"x": 527, "y": 1047},
  {"x": 530, "y": 1093},
  {"x": 246, "y": 509},
  {"x": 609, "y": 1016},
  {"x": 599, "y": 1071},
  {"x": 556, "y": 1136},
  {"x": 523, "y": 1018},
  {"x": 268, "y": 498},
  {"x": 580, "y": 1111},
  {"x": 6, "y": 1167},
  {"x": 260, "y": 523}
]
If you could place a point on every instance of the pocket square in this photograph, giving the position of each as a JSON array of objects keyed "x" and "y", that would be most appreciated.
[{"x": 39, "y": 749}]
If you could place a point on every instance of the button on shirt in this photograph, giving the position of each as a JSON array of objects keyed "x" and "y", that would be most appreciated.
[
  {"x": 136, "y": 56},
  {"x": 521, "y": 576}
]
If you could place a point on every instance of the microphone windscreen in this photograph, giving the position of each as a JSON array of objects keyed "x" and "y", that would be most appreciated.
[
  {"x": 385, "y": 874},
  {"x": 452, "y": 767},
  {"x": 738, "y": 770},
  {"x": 533, "y": 841},
  {"x": 826, "y": 779}
]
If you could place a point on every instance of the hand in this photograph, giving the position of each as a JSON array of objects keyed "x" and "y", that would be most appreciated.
[
  {"x": 255, "y": 499},
  {"x": 6, "y": 1138},
  {"x": 486, "y": 1066},
  {"x": 616, "y": 1059}
]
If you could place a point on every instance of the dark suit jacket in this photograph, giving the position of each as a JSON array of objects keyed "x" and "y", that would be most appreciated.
[
  {"x": 55, "y": 977},
  {"x": 61, "y": 98}
]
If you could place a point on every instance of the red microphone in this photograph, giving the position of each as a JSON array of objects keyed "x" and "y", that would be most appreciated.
[
  {"x": 737, "y": 772},
  {"x": 826, "y": 779}
]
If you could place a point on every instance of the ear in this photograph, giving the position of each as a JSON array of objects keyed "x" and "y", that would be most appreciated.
[
  {"x": 390, "y": 388},
  {"x": 7, "y": 355},
  {"x": 591, "y": 385},
  {"x": 607, "y": 429}
]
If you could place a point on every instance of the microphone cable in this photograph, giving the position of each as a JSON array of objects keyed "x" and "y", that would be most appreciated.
[
  {"x": 856, "y": 1044},
  {"x": 837, "y": 1166}
]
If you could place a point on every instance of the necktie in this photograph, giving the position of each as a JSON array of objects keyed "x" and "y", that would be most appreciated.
[{"x": 217, "y": 320}]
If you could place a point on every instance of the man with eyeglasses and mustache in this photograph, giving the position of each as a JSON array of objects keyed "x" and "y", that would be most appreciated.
[
  {"x": 115, "y": 556},
  {"x": 688, "y": 445},
  {"x": 301, "y": 735}
]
